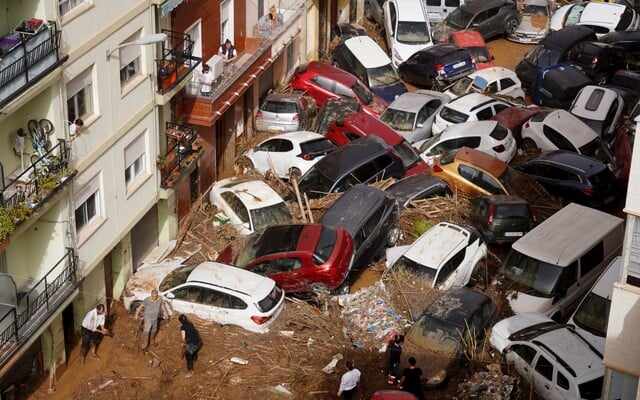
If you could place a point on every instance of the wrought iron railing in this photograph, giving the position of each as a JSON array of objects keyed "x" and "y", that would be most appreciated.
[
  {"x": 182, "y": 149},
  {"x": 38, "y": 303},
  {"x": 177, "y": 61}
]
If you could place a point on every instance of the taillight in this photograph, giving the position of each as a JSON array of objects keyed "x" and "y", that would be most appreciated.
[
  {"x": 526, "y": 124},
  {"x": 595, "y": 60},
  {"x": 498, "y": 149},
  {"x": 533, "y": 215},
  {"x": 588, "y": 191},
  {"x": 436, "y": 168},
  {"x": 259, "y": 114},
  {"x": 305, "y": 156},
  {"x": 260, "y": 320},
  {"x": 439, "y": 68},
  {"x": 296, "y": 117},
  {"x": 490, "y": 216}
]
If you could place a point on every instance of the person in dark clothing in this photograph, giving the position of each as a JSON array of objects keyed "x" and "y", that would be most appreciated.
[
  {"x": 191, "y": 342},
  {"x": 395, "y": 351},
  {"x": 410, "y": 381}
]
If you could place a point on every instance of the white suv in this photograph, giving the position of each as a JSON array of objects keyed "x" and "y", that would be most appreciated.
[
  {"x": 467, "y": 108},
  {"x": 406, "y": 28},
  {"x": 558, "y": 362}
]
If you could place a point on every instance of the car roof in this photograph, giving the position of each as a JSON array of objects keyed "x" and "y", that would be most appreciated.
[
  {"x": 437, "y": 244},
  {"x": 410, "y": 10},
  {"x": 475, "y": 6},
  {"x": 537, "y": 2},
  {"x": 568, "y": 36},
  {"x": 254, "y": 193},
  {"x": 585, "y": 164},
  {"x": 286, "y": 238},
  {"x": 513, "y": 117},
  {"x": 571, "y": 127},
  {"x": 471, "y": 101},
  {"x": 413, "y": 101},
  {"x": 231, "y": 277},
  {"x": 583, "y": 105},
  {"x": 405, "y": 188},
  {"x": 297, "y": 136},
  {"x": 367, "y": 51},
  {"x": 468, "y": 38},
  {"x": 573, "y": 218},
  {"x": 602, "y": 13},
  {"x": 283, "y": 97},
  {"x": 353, "y": 207},
  {"x": 371, "y": 125},
  {"x": 345, "y": 158},
  {"x": 482, "y": 160},
  {"x": 331, "y": 72},
  {"x": 440, "y": 49},
  {"x": 466, "y": 129},
  {"x": 456, "y": 305},
  {"x": 494, "y": 73}
]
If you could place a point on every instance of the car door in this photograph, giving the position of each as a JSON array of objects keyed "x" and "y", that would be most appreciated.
[
  {"x": 521, "y": 356},
  {"x": 450, "y": 273},
  {"x": 285, "y": 270},
  {"x": 543, "y": 377},
  {"x": 390, "y": 22},
  {"x": 186, "y": 299},
  {"x": 322, "y": 89},
  {"x": 416, "y": 69},
  {"x": 266, "y": 155},
  {"x": 224, "y": 307}
]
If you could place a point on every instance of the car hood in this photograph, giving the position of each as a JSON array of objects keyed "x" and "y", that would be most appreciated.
[
  {"x": 501, "y": 331},
  {"x": 533, "y": 24},
  {"x": 149, "y": 277},
  {"x": 390, "y": 92},
  {"x": 434, "y": 365},
  {"x": 523, "y": 303}
]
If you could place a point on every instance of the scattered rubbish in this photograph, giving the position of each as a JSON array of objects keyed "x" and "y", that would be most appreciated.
[
  {"x": 236, "y": 380},
  {"x": 245, "y": 344},
  {"x": 286, "y": 333},
  {"x": 488, "y": 386},
  {"x": 310, "y": 341},
  {"x": 282, "y": 389},
  {"x": 239, "y": 360},
  {"x": 328, "y": 369},
  {"x": 152, "y": 364},
  {"x": 105, "y": 384},
  {"x": 120, "y": 376}
]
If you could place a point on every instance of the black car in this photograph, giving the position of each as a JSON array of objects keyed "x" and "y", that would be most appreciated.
[
  {"x": 573, "y": 177},
  {"x": 363, "y": 160},
  {"x": 437, "y": 66},
  {"x": 442, "y": 334},
  {"x": 501, "y": 218},
  {"x": 559, "y": 85},
  {"x": 334, "y": 109},
  {"x": 627, "y": 85},
  {"x": 552, "y": 50},
  {"x": 343, "y": 31},
  {"x": 489, "y": 17},
  {"x": 630, "y": 40},
  {"x": 601, "y": 60},
  {"x": 370, "y": 216},
  {"x": 417, "y": 187}
]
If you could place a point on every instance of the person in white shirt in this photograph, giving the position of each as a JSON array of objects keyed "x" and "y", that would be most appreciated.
[
  {"x": 92, "y": 331},
  {"x": 206, "y": 80},
  {"x": 349, "y": 381},
  {"x": 75, "y": 127}
]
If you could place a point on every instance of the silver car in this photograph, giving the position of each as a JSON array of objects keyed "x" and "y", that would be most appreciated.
[
  {"x": 534, "y": 26},
  {"x": 284, "y": 112},
  {"x": 411, "y": 114}
]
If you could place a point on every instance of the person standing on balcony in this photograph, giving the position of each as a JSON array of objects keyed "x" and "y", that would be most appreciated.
[
  {"x": 206, "y": 81},
  {"x": 92, "y": 331},
  {"x": 266, "y": 24},
  {"x": 228, "y": 52}
]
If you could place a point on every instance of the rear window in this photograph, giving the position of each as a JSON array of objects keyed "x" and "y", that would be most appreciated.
[
  {"x": 454, "y": 57},
  {"x": 594, "y": 100},
  {"x": 280, "y": 107},
  {"x": 539, "y": 117},
  {"x": 511, "y": 211},
  {"x": 453, "y": 116},
  {"x": 271, "y": 300},
  {"x": 317, "y": 146},
  {"x": 500, "y": 132},
  {"x": 625, "y": 20},
  {"x": 325, "y": 245}
]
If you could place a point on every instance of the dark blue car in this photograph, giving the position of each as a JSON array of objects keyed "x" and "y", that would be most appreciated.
[{"x": 437, "y": 66}]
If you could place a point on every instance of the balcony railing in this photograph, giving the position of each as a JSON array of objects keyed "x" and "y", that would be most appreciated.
[
  {"x": 177, "y": 61},
  {"x": 35, "y": 304},
  {"x": 26, "y": 57},
  {"x": 183, "y": 148}
]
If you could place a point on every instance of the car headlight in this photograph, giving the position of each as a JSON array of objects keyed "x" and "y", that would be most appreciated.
[{"x": 438, "y": 378}]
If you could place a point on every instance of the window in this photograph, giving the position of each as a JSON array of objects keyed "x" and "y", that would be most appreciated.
[
  {"x": 80, "y": 96},
  {"x": 525, "y": 352},
  {"x": 506, "y": 83},
  {"x": 236, "y": 206},
  {"x": 135, "y": 161},
  {"x": 451, "y": 265},
  {"x": 562, "y": 381},
  {"x": 485, "y": 114},
  {"x": 89, "y": 208},
  {"x": 67, "y": 5},
  {"x": 545, "y": 368},
  {"x": 592, "y": 259},
  {"x": 557, "y": 139},
  {"x": 129, "y": 60}
]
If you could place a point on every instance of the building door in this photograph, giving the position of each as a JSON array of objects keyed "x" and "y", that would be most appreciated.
[
  {"x": 226, "y": 21},
  {"x": 144, "y": 237},
  {"x": 108, "y": 280},
  {"x": 195, "y": 31},
  {"x": 68, "y": 328}
]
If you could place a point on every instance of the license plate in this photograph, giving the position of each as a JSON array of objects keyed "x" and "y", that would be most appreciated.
[
  {"x": 460, "y": 64},
  {"x": 275, "y": 127},
  {"x": 512, "y": 234}
]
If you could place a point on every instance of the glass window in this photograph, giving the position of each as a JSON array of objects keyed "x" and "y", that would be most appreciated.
[
  {"x": 506, "y": 83},
  {"x": 450, "y": 266},
  {"x": 192, "y": 294},
  {"x": 562, "y": 381},
  {"x": 269, "y": 145},
  {"x": 89, "y": 210},
  {"x": 592, "y": 259},
  {"x": 593, "y": 314},
  {"x": 236, "y": 206},
  {"x": 135, "y": 160},
  {"x": 545, "y": 368},
  {"x": 67, "y": 5},
  {"x": 129, "y": 71},
  {"x": 485, "y": 114},
  {"x": 490, "y": 185},
  {"x": 526, "y": 353},
  {"x": 558, "y": 139},
  {"x": 537, "y": 277}
]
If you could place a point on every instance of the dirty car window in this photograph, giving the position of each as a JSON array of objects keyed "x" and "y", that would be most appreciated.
[
  {"x": 437, "y": 335},
  {"x": 325, "y": 244},
  {"x": 176, "y": 277}
]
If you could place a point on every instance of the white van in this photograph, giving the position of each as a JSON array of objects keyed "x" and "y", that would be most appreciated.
[
  {"x": 550, "y": 268},
  {"x": 591, "y": 317},
  {"x": 406, "y": 28},
  {"x": 437, "y": 10}
]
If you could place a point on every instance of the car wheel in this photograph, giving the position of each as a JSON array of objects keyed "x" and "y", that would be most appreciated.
[
  {"x": 294, "y": 173},
  {"x": 529, "y": 145},
  {"x": 133, "y": 308},
  {"x": 318, "y": 289},
  {"x": 511, "y": 26},
  {"x": 335, "y": 64},
  {"x": 244, "y": 165},
  {"x": 436, "y": 85},
  {"x": 367, "y": 11},
  {"x": 601, "y": 79}
]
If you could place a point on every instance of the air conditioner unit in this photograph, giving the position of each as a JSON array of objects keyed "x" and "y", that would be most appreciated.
[{"x": 217, "y": 65}]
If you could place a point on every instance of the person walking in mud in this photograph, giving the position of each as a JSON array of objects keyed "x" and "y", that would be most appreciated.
[
  {"x": 92, "y": 332},
  {"x": 191, "y": 342},
  {"x": 410, "y": 381},
  {"x": 349, "y": 381},
  {"x": 395, "y": 352},
  {"x": 150, "y": 311}
]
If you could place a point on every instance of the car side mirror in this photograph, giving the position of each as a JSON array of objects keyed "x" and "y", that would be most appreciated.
[
  {"x": 170, "y": 295},
  {"x": 560, "y": 294}
]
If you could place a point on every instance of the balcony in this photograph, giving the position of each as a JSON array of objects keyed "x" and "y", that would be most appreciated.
[
  {"x": 24, "y": 310},
  {"x": 28, "y": 54},
  {"x": 231, "y": 82},
  {"x": 183, "y": 151},
  {"x": 25, "y": 190},
  {"x": 176, "y": 64}
]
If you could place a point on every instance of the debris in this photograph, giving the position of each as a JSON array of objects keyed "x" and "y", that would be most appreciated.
[
  {"x": 286, "y": 333},
  {"x": 105, "y": 384},
  {"x": 239, "y": 360},
  {"x": 488, "y": 386},
  {"x": 328, "y": 369},
  {"x": 152, "y": 364},
  {"x": 280, "y": 388}
]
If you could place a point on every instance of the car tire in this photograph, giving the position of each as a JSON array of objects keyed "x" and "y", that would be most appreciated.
[
  {"x": 367, "y": 11},
  {"x": 529, "y": 145},
  {"x": 294, "y": 173},
  {"x": 601, "y": 79},
  {"x": 133, "y": 308},
  {"x": 511, "y": 26},
  {"x": 318, "y": 289},
  {"x": 244, "y": 165},
  {"x": 435, "y": 85}
]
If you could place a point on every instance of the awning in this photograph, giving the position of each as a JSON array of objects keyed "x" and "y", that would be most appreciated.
[{"x": 168, "y": 6}]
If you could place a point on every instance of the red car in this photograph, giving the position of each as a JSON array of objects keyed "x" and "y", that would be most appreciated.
[
  {"x": 301, "y": 258},
  {"x": 391, "y": 394},
  {"x": 476, "y": 45},
  {"x": 344, "y": 130},
  {"x": 323, "y": 81},
  {"x": 514, "y": 117}
]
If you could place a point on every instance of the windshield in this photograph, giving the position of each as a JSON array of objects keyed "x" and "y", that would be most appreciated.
[
  {"x": 591, "y": 390},
  {"x": 363, "y": 93},
  {"x": 543, "y": 57},
  {"x": 325, "y": 245},
  {"x": 271, "y": 300},
  {"x": 593, "y": 314},
  {"x": 315, "y": 183},
  {"x": 534, "y": 276},
  {"x": 398, "y": 120},
  {"x": 534, "y": 9},
  {"x": 272, "y": 215},
  {"x": 423, "y": 272},
  {"x": 597, "y": 149},
  {"x": 573, "y": 16},
  {"x": 461, "y": 86},
  {"x": 453, "y": 116},
  {"x": 413, "y": 32},
  {"x": 431, "y": 334},
  {"x": 407, "y": 154},
  {"x": 428, "y": 143},
  {"x": 248, "y": 252},
  {"x": 459, "y": 18},
  {"x": 382, "y": 76},
  {"x": 509, "y": 180},
  {"x": 176, "y": 277}
]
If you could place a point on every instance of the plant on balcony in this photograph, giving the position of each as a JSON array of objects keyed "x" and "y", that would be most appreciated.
[
  {"x": 7, "y": 223},
  {"x": 47, "y": 184},
  {"x": 20, "y": 212},
  {"x": 162, "y": 162}
]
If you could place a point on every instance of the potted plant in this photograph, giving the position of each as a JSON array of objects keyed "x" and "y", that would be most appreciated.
[
  {"x": 47, "y": 184},
  {"x": 7, "y": 223}
]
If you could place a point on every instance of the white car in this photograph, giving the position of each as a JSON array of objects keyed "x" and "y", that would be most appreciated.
[
  {"x": 411, "y": 114},
  {"x": 249, "y": 204},
  {"x": 406, "y": 28},
  {"x": 490, "y": 137},
  {"x": 212, "y": 291},
  {"x": 560, "y": 130},
  {"x": 600, "y": 108},
  {"x": 557, "y": 362},
  {"x": 444, "y": 256},
  {"x": 602, "y": 17},
  {"x": 494, "y": 80},
  {"x": 467, "y": 108},
  {"x": 289, "y": 155}
]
